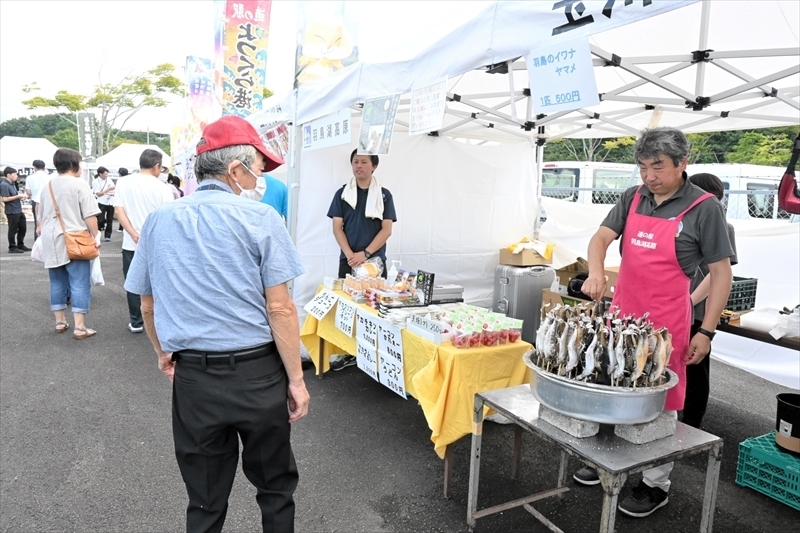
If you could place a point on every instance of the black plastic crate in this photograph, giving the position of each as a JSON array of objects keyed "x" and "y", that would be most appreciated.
[{"x": 743, "y": 294}]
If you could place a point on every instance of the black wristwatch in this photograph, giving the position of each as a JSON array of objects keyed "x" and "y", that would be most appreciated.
[
  {"x": 709, "y": 334},
  {"x": 367, "y": 254}
]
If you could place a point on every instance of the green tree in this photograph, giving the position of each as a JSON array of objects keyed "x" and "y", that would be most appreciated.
[
  {"x": 762, "y": 149},
  {"x": 67, "y": 138},
  {"x": 115, "y": 103},
  {"x": 40, "y": 126},
  {"x": 618, "y": 150}
]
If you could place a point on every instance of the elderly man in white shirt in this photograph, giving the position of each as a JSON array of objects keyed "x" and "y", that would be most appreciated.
[{"x": 34, "y": 184}]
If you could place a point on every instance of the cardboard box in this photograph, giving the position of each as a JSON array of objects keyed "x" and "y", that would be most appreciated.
[
  {"x": 524, "y": 258},
  {"x": 566, "y": 273}
]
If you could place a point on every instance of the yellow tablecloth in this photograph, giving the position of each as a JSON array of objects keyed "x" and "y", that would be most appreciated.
[{"x": 444, "y": 379}]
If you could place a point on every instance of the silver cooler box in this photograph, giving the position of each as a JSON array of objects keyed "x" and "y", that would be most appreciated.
[{"x": 518, "y": 294}]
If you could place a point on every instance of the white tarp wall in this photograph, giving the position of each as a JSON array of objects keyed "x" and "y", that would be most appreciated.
[
  {"x": 768, "y": 250},
  {"x": 127, "y": 155},
  {"x": 456, "y": 204}
]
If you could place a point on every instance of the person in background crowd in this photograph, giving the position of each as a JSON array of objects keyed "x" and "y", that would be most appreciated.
[
  {"x": 135, "y": 197},
  {"x": 34, "y": 184},
  {"x": 12, "y": 206},
  {"x": 698, "y": 374},
  {"x": 103, "y": 188},
  {"x": 362, "y": 213},
  {"x": 668, "y": 227},
  {"x": 235, "y": 354},
  {"x": 122, "y": 171},
  {"x": 276, "y": 195},
  {"x": 79, "y": 211},
  {"x": 175, "y": 181}
]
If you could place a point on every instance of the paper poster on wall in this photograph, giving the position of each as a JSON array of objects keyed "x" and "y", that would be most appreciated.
[
  {"x": 427, "y": 108},
  {"x": 390, "y": 358},
  {"x": 321, "y": 304},
  {"x": 345, "y": 314},
  {"x": 562, "y": 77},
  {"x": 377, "y": 124},
  {"x": 331, "y": 130}
]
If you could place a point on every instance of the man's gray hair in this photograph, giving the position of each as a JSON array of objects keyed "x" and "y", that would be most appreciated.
[
  {"x": 214, "y": 163},
  {"x": 655, "y": 142}
]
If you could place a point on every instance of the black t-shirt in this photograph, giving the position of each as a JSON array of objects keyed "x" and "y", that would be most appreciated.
[
  {"x": 703, "y": 236},
  {"x": 8, "y": 188},
  {"x": 359, "y": 229}
]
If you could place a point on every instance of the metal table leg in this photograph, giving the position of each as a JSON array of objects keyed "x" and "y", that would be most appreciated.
[
  {"x": 321, "y": 358},
  {"x": 712, "y": 481},
  {"x": 612, "y": 485},
  {"x": 562, "y": 471},
  {"x": 448, "y": 469},
  {"x": 515, "y": 460},
  {"x": 475, "y": 462}
]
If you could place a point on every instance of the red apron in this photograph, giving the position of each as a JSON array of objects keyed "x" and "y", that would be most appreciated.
[{"x": 651, "y": 280}]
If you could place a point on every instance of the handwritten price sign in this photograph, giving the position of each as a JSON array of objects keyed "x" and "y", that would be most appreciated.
[
  {"x": 390, "y": 358},
  {"x": 321, "y": 304},
  {"x": 367, "y": 358},
  {"x": 367, "y": 328},
  {"x": 345, "y": 313}
]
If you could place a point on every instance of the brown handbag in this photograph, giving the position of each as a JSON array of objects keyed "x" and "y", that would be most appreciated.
[{"x": 81, "y": 246}]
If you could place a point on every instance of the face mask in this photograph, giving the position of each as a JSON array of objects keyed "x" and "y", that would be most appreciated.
[{"x": 253, "y": 194}]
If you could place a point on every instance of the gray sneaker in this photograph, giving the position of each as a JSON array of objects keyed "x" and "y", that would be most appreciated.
[
  {"x": 342, "y": 361},
  {"x": 135, "y": 330},
  {"x": 586, "y": 476}
]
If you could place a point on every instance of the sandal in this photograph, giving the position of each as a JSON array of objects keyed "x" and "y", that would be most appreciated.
[
  {"x": 86, "y": 333},
  {"x": 61, "y": 327}
]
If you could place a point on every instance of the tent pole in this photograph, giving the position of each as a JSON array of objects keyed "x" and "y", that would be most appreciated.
[
  {"x": 293, "y": 177},
  {"x": 539, "y": 169},
  {"x": 701, "y": 65}
]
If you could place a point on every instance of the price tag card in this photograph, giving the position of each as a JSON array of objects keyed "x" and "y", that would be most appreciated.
[
  {"x": 367, "y": 328},
  {"x": 390, "y": 358},
  {"x": 427, "y": 329},
  {"x": 321, "y": 304},
  {"x": 367, "y": 358},
  {"x": 345, "y": 313}
]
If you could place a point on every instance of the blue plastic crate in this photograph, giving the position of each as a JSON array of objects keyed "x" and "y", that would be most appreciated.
[{"x": 764, "y": 467}]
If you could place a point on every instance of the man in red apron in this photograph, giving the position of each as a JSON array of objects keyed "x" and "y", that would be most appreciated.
[{"x": 668, "y": 227}]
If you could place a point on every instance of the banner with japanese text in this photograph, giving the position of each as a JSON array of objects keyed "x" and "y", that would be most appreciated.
[
  {"x": 327, "y": 39},
  {"x": 242, "y": 55}
]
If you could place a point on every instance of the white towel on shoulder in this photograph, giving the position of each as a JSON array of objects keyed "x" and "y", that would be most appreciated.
[{"x": 374, "y": 208}]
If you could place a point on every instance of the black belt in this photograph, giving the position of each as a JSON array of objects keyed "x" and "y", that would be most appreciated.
[{"x": 221, "y": 358}]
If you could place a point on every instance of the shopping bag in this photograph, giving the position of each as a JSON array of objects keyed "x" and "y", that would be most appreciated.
[
  {"x": 37, "y": 253},
  {"x": 97, "y": 273}
]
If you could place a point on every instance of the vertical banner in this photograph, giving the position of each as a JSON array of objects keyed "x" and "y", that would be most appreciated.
[
  {"x": 562, "y": 77},
  {"x": 327, "y": 39},
  {"x": 427, "y": 108},
  {"x": 377, "y": 124},
  {"x": 243, "y": 52},
  {"x": 87, "y": 134}
]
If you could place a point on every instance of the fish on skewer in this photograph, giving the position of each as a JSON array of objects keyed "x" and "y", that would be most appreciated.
[
  {"x": 563, "y": 343},
  {"x": 659, "y": 358},
  {"x": 588, "y": 366},
  {"x": 573, "y": 355},
  {"x": 619, "y": 355}
]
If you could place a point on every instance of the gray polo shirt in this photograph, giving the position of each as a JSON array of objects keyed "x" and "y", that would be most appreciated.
[
  {"x": 703, "y": 236},
  {"x": 207, "y": 259},
  {"x": 702, "y": 272}
]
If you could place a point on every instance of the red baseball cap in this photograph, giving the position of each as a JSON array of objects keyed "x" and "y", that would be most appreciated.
[{"x": 231, "y": 130}]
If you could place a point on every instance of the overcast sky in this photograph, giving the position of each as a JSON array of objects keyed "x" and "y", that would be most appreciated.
[{"x": 70, "y": 45}]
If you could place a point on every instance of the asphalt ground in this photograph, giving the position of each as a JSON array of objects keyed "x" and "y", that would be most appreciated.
[{"x": 86, "y": 443}]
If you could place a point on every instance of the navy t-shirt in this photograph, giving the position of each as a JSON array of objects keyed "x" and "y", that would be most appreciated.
[
  {"x": 7, "y": 188},
  {"x": 359, "y": 229}
]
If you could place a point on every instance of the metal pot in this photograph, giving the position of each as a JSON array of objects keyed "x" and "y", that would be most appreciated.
[{"x": 598, "y": 403}]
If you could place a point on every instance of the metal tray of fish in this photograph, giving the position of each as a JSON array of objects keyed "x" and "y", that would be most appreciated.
[{"x": 598, "y": 403}]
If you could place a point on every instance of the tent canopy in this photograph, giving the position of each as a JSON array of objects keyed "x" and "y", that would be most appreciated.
[
  {"x": 20, "y": 152},
  {"x": 127, "y": 155},
  {"x": 697, "y": 66}
]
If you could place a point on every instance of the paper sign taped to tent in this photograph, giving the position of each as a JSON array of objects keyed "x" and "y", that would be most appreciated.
[
  {"x": 331, "y": 130},
  {"x": 377, "y": 124},
  {"x": 562, "y": 77},
  {"x": 427, "y": 108}
]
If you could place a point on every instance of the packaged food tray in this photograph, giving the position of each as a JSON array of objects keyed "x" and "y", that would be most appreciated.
[{"x": 769, "y": 470}]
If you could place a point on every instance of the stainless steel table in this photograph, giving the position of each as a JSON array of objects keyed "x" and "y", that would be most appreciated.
[{"x": 614, "y": 458}]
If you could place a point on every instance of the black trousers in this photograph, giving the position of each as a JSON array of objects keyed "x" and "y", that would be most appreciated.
[
  {"x": 105, "y": 220},
  {"x": 698, "y": 384},
  {"x": 17, "y": 228},
  {"x": 211, "y": 409},
  {"x": 35, "y": 219},
  {"x": 134, "y": 300}
]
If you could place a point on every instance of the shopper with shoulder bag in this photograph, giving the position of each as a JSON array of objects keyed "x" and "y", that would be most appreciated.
[{"x": 68, "y": 230}]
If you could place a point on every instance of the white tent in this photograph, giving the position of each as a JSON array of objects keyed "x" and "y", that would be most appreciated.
[
  {"x": 127, "y": 155},
  {"x": 20, "y": 152}
]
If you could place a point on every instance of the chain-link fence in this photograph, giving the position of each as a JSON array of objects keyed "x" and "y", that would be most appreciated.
[{"x": 759, "y": 203}]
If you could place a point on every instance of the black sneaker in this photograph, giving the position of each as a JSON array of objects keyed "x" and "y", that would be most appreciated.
[
  {"x": 15, "y": 251},
  {"x": 586, "y": 476},
  {"x": 342, "y": 361},
  {"x": 643, "y": 501},
  {"x": 24, "y": 248}
]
